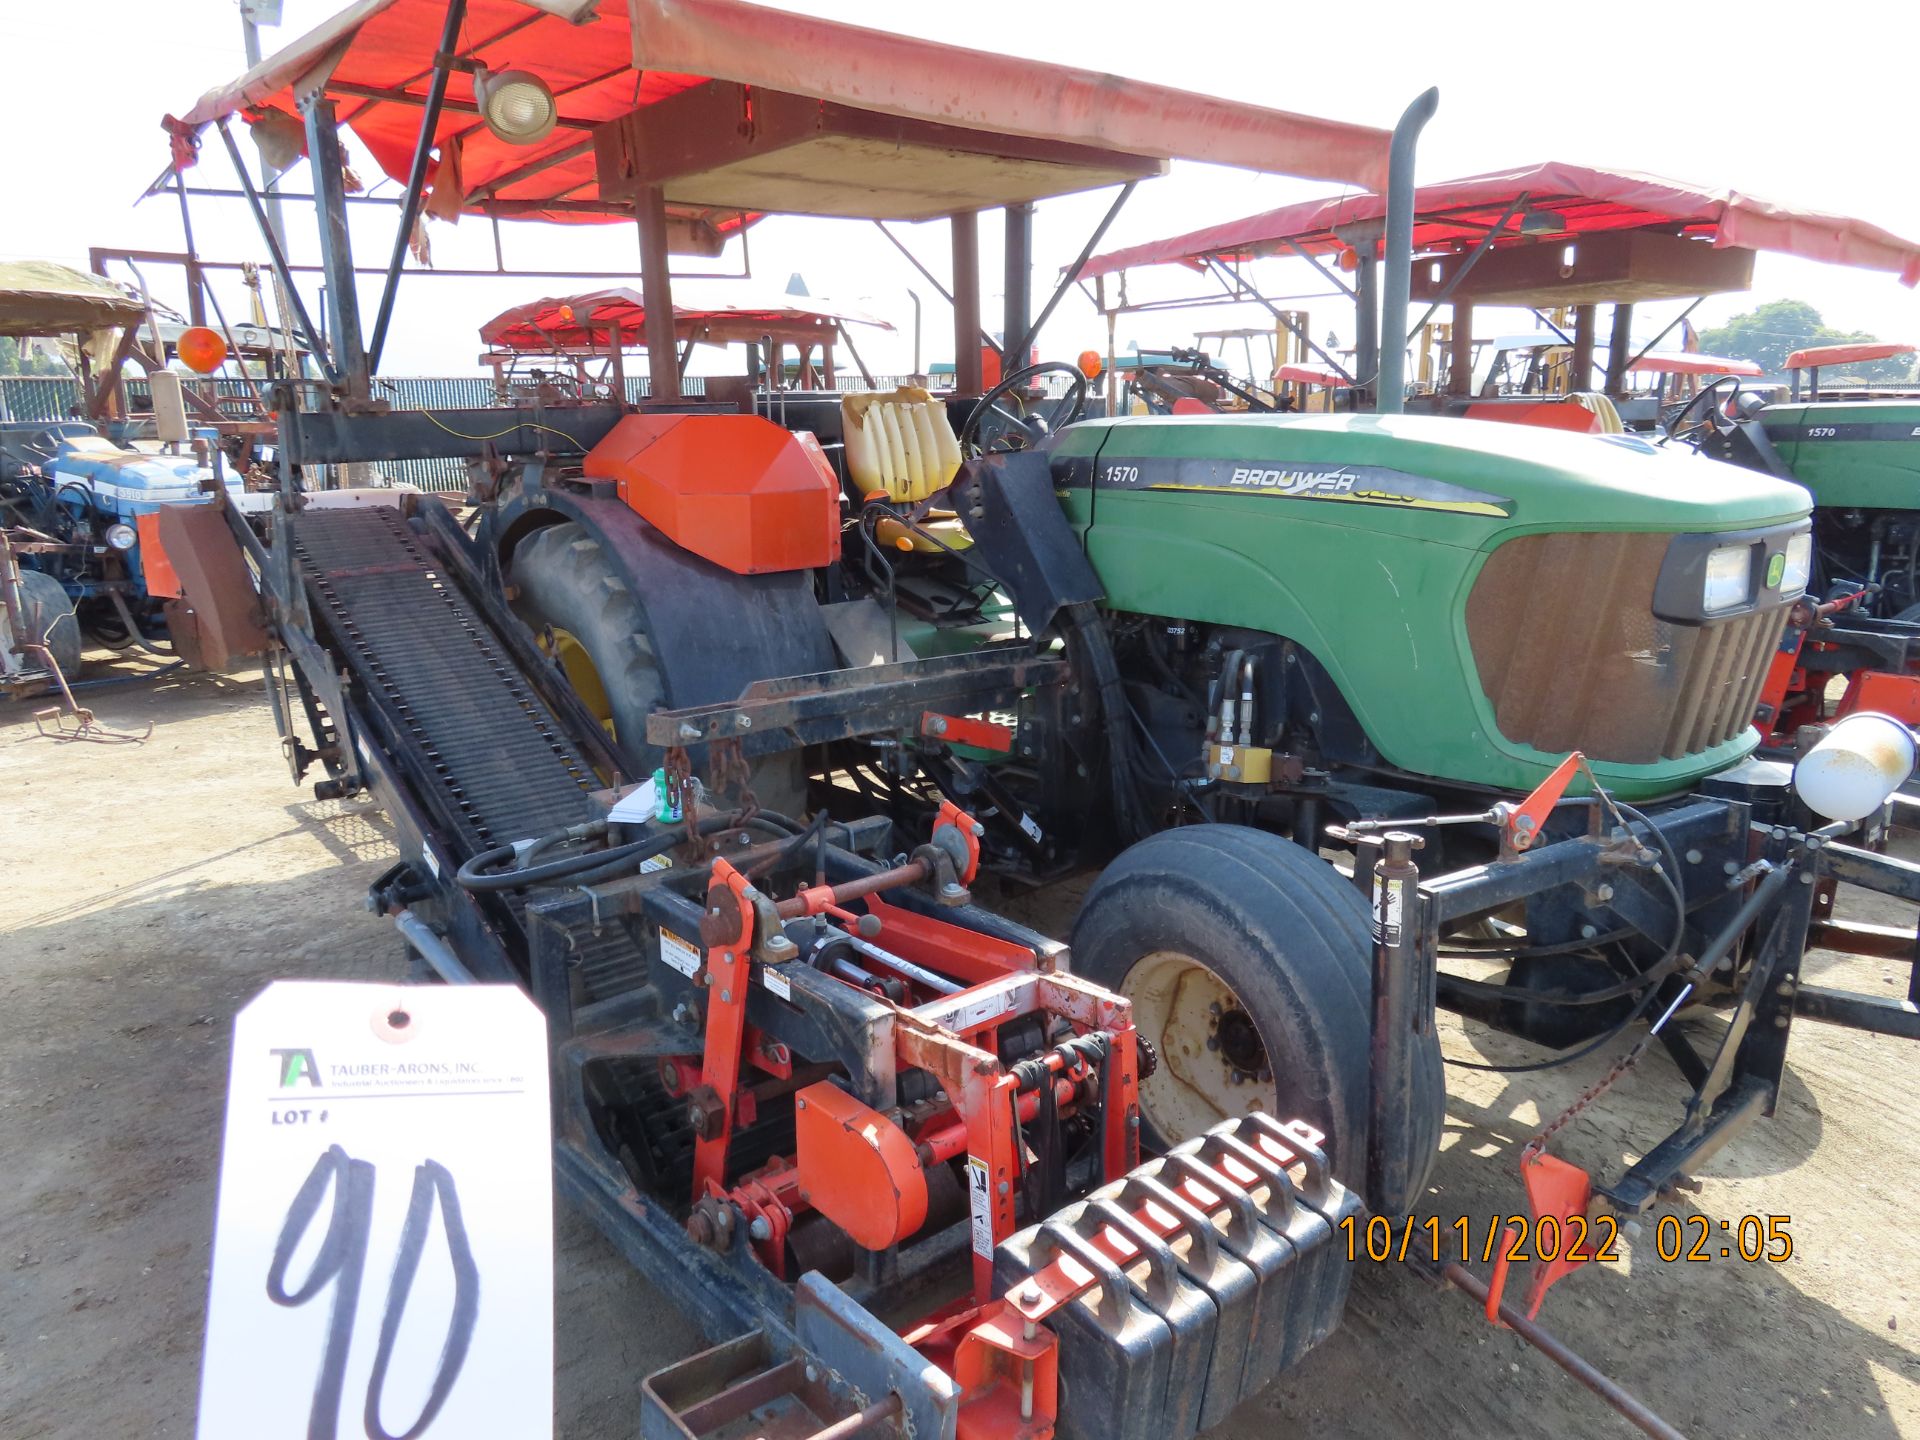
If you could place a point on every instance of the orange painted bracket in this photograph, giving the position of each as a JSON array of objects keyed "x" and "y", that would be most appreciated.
[
  {"x": 162, "y": 580},
  {"x": 1524, "y": 821},
  {"x": 963, "y": 730},
  {"x": 729, "y": 968},
  {"x": 1556, "y": 1190},
  {"x": 997, "y": 1362}
]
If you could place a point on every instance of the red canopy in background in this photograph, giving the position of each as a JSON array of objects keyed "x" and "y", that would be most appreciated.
[
  {"x": 585, "y": 323},
  {"x": 608, "y": 67},
  {"x": 1691, "y": 362},
  {"x": 1574, "y": 199},
  {"x": 1310, "y": 375},
  {"x": 1818, "y": 355}
]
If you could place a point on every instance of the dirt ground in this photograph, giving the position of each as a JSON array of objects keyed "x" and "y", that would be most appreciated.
[{"x": 152, "y": 889}]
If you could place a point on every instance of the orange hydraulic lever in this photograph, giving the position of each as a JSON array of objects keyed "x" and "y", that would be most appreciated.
[{"x": 1520, "y": 824}]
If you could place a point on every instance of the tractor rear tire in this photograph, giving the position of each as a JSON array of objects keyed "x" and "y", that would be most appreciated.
[
  {"x": 572, "y": 596},
  {"x": 1249, "y": 965},
  {"x": 50, "y": 619},
  {"x": 576, "y": 598}
]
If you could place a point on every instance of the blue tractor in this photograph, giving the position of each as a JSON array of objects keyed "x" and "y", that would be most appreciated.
[
  {"x": 80, "y": 510},
  {"x": 93, "y": 506}
]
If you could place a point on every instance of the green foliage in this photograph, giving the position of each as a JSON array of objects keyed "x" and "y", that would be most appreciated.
[
  {"x": 12, "y": 362},
  {"x": 1767, "y": 334}
]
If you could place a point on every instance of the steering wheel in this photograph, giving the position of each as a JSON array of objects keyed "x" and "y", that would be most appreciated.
[
  {"x": 1678, "y": 429},
  {"x": 1070, "y": 405}
]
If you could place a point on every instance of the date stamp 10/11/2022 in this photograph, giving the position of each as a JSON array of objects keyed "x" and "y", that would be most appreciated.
[{"x": 1750, "y": 1238}]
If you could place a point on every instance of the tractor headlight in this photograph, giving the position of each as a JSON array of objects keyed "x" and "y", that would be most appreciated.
[
  {"x": 1799, "y": 553},
  {"x": 121, "y": 536},
  {"x": 1729, "y": 579}
]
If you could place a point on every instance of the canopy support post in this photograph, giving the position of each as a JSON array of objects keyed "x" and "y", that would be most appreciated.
[
  {"x": 968, "y": 373},
  {"x": 866, "y": 375},
  {"x": 336, "y": 245},
  {"x": 417, "y": 176},
  {"x": 656, "y": 293},
  {"x": 1460, "y": 350},
  {"x": 1032, "y": 332},
  {"x": 942, "y": 291},
  {"x": 1366, "y": 322},
  {"x": 1390, "y": 395},
  {"x": 1654, "y": 344},
  {"x": 1485, "y": 244},
  {"x": 1586, "y": 320},
  {"x": 1617, "y": 352},
  {"x": 278, "y": 257},
  {"x": 1018, "y": 287},
  {"x": 1238, "y": 288}
]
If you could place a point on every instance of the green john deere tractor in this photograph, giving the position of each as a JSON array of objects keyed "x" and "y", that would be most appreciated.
[
  {"x": 1220, "y": 636},
  {"x": 1859, "y": 456}
]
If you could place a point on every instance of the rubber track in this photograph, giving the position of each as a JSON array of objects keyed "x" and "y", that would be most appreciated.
[{"x": 505, "y": 765}]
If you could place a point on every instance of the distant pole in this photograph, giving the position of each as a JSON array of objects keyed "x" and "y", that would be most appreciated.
[{"x": 254, "y": 14}]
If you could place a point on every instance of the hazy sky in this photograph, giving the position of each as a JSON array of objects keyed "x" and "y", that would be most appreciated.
[{"x": 1772, "y": 98}]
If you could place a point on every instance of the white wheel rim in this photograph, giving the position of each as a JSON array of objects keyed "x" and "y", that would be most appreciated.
[{"x": 1213, "y": 1061}]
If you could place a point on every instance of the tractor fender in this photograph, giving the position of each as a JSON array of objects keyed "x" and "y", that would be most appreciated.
[
  {"x": 1019, "y": 529},
  {"x": 713, "y": 632}
]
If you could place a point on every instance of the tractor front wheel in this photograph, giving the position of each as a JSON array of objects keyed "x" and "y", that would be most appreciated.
[{"x": 1249, "y": 965}]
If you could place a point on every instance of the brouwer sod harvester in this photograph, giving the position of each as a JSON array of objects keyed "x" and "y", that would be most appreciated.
[{"x": 709, "y": 725}]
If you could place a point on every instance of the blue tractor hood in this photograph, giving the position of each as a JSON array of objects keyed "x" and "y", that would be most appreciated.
[{"x": 127, "y": 482}]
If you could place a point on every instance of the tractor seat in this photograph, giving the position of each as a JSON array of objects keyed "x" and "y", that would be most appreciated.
[{"x": 901, "y": 446}]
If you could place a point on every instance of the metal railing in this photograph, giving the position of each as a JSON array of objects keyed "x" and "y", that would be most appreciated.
[{"x": 53, "y": 397}]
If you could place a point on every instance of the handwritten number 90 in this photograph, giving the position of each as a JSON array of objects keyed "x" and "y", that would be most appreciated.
[{"x": 342, "y": 1261}]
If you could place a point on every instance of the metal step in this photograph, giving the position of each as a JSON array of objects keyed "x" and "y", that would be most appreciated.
[{"x": 479, "y": 732}]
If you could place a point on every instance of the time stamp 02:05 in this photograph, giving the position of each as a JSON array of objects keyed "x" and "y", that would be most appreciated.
[{"x": 1752, "y": 1238}]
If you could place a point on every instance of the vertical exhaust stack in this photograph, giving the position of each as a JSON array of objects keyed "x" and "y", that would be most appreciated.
[{"x": 1390, "y": 396}]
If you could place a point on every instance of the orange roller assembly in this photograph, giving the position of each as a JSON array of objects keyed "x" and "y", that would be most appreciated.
[
  {"x": 858, "y": 1168},
  {"x": 734, "y": 489}
]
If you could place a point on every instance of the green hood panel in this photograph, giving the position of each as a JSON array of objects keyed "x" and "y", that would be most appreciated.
[
  {"x": 1360, "y": 537},
  {"x": 1852, "y": 454},
  {"x": 1551, "y": 479}
]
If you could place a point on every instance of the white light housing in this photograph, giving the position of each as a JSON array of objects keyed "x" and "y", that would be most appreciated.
[
  {"x": 1729, "y": 581},
  {"x": 121, "y": 536},
  {"x": 1799, "y": 564},
  {"x": 1855, "y": 770},
  {"x": 517, "y": 105}
]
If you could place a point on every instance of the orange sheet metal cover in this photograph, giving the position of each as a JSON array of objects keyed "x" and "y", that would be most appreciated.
[
  {"x": 163, "y": 583},
  {"x": 734, "y": 489},
  {"x": 858, "y": 1168}
]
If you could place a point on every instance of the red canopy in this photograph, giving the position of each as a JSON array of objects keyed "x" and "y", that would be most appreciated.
[
  {"x": 1560, "y": 200},
  {"x": 1691, "y": 362},
  {"x": 382, "y": 54},
  {"x": 1818, "y": 355},
  {"x": 585, "y": 323}
]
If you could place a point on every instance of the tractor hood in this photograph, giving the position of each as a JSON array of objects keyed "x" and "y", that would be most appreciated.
[
  {"x": 128, "y": 477},
  {"x": 1504, "y": 477}
]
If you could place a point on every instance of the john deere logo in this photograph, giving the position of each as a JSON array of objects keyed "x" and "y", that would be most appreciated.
[
  {"x": 297, "y": 1065},
  {"x": 1776, "y": 568}
]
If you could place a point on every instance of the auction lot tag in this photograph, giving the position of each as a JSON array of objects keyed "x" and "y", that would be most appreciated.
[{"x": 383, "y": 1249}]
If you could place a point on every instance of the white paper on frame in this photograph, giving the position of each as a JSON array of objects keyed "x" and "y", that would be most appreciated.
[{"x": 383, "y": 1248}]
